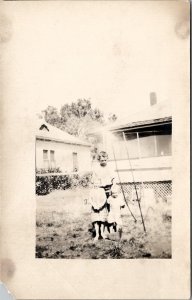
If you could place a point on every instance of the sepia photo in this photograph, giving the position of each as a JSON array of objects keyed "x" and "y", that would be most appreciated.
[
  {"x": 95, "y": 149},
  {"x": 104, "y": 187},
  {"x": 104, "y": 152}
]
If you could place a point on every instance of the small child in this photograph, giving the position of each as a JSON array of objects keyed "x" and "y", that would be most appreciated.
[{"x": 114, "y": 216}]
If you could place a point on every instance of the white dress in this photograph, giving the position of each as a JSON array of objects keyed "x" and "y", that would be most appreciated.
[
  {"x": 114, "y": 215},
  {"x": 102, "y": 176},
  {"x": 97, "y": 201}
]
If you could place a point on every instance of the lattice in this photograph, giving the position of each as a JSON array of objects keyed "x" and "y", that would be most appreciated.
[{"x": 158, "y": 191}]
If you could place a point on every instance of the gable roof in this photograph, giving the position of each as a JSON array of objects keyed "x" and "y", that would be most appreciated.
[{"x": 45, "y": 131}]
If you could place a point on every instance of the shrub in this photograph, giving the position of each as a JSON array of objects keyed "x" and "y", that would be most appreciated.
[
  {"x": 80, "y": 180},
  {"x": 42, "y": 185},
  {"x": 45, "y": 184},
  {"x": 85, "y": 179},
  {"x": 74, "y": 180}
]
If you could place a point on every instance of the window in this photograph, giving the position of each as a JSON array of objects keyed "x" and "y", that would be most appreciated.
[
  {"x": 52, "y": 155},
  {"x": 45, "y": 154},
  {"x": 75, "y": 162},
  {"x": 52, "y": 159},
  {"x": 142, "y": 144},
  {"x": 49, "y": 161},
  {"x": 147, "y": 144},
  {"x": 163, "y": 144},
  {"x": 45, "y": 159},
  {"x": 132, "y": 145},
  {"x": 124, "y": 149},
  {"x": 157, "y": 143}
]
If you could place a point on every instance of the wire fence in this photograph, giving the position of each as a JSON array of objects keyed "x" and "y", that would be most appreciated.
[{"x": 160, "y": 191}]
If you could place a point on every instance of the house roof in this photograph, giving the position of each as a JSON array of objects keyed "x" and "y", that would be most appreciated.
[
  {"x": 156, "y": 114},
  {"x": 45, "y": 131}
]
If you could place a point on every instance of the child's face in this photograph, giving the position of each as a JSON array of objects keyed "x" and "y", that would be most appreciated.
[
  {"x": 103, "y": 161},
  {"x": 103, "y": 157}
]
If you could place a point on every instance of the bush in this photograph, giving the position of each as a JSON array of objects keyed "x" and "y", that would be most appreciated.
[
  {"x": 80, "y": 180},
  {"x": 85, "y": 180},
  {"x": 45, "y": 184},
  {"x": 74, "y": 180}
]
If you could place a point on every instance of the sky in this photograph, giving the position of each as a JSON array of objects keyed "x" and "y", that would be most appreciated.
[{"x": 112, "y": 52}]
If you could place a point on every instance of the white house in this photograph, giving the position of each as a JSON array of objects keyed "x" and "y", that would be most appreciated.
[
  {"x": 140, "y": 150},
  {"x": 58, "y": 149},
  {"x": 147, "y": 140}
]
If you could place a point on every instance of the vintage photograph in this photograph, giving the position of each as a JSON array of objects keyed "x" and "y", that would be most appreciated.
[
  {"x": 103, "y": 136},
  {"x": 95, "y": 149},
  {"x": 104, "y": 190}
]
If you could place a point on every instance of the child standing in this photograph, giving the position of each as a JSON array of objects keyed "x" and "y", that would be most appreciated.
[
  {"x": 114, "y": 218},
  {"x": 103, "y": 177}
]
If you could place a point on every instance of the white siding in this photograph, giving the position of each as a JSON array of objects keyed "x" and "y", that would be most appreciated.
[
  {"x": 64, "y": 155},
  {"x": 145, "y": 169}
]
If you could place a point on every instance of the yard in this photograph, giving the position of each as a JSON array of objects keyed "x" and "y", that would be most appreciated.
[{"x": 63, "y": 226}]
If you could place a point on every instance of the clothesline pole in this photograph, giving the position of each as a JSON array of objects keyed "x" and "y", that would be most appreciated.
[
  {"x": 138, "y": 200},
  {"x": 121, "y": 185}
]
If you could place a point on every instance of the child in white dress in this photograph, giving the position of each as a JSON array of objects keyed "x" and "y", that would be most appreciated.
[{"x": 114, "y": 218}]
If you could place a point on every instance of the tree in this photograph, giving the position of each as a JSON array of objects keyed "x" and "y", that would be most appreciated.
[
  {"x": 71, "y": 125},
  {"x": 51, "y": 116},
  {"x": 80, "y": 109},
  {"x": 76, "y": 118}
]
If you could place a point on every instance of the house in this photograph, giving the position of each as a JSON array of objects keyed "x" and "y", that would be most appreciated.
[
  {"x": 140, "y": 150},
  {"x": 58, "y": 149}
]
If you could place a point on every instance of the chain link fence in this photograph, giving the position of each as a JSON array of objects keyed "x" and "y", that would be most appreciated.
[{"x": 160, "y": 191}]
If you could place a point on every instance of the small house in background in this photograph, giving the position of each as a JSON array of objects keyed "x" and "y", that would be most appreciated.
[
  {"x": 140, "y": 150},
  {"x": 56, "y": 149}
]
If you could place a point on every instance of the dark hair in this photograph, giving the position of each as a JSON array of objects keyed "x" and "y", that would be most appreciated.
[{"x": 102, "y": 153}]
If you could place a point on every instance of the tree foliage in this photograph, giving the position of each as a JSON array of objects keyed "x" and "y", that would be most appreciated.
[
  {"x": 51, "y": 116},
  {"x": 77, "y": 117}
]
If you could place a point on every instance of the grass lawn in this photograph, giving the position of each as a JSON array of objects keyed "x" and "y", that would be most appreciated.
[{"x": 63, "y": 222}]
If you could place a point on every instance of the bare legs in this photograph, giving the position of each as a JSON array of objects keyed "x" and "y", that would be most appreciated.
[
  {"x": 101, "y": 231},
  {"x": 96, "y": 226}
]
